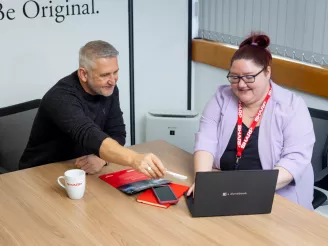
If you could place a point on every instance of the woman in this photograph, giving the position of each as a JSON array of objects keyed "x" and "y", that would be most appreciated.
[{"x": 255, "y": 124}]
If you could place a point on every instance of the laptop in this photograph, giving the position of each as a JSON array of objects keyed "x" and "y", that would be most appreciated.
[{"x": 226, "y": 193}]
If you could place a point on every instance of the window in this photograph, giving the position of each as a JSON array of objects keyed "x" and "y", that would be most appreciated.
[{"x": 298, "y": 29}]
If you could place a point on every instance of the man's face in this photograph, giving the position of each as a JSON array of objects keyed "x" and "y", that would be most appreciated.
[{"x": 102, "y": 78}]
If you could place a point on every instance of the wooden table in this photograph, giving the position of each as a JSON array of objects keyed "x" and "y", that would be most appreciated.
[{"x": 35, "y": 210}]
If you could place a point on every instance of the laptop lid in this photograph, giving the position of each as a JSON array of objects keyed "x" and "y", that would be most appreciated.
[{"x": 233, "y": 193}]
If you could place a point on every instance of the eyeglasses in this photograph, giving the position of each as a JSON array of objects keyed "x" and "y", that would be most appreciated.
[{"x": 234, "y": 79}]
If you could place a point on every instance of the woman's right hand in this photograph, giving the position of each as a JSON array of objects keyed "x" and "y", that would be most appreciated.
[
  {"x": 191, "y": 190},
  {"x": 203, "y": 162}
]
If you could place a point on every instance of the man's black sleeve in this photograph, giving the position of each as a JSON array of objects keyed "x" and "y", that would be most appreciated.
[
  {"x": 64, "y": 108},
  {"x": 115, "y": 126}
]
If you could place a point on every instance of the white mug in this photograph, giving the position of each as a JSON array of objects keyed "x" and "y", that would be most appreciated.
[{"x": 74, "y": 183}]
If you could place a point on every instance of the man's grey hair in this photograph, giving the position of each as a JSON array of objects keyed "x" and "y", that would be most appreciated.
[{"x": 94, "y": 50}]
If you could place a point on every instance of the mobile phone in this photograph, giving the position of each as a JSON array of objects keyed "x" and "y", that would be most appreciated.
[{"x": 165, "y": 194}]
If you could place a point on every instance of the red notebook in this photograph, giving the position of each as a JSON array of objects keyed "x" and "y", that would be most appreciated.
[{"x": 149, "y": 198}]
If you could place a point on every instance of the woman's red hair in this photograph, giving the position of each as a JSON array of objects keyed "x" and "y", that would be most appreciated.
[{"x": 254, "y": 48}]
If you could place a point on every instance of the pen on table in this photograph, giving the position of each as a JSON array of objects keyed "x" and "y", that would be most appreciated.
[{"x": 176, "y": 175}]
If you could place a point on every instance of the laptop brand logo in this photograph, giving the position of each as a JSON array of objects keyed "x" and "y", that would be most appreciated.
[{"x": 234, "y": 194}]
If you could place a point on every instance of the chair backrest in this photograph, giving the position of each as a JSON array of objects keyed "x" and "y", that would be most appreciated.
[
  {"x": 320, "y": 150},
  {"x": 15, "y": 126}
]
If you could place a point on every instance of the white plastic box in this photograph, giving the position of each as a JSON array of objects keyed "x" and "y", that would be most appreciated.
[{"x": 175, "y": 127}]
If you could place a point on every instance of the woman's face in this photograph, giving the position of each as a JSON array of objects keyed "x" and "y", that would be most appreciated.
[{"x": 250, "y": 93}]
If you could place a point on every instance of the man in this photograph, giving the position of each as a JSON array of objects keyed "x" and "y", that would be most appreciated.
[{"x": 80, "y": 116}]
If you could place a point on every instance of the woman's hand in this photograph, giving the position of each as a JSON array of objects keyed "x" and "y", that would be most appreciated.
[{"x": 191, "y": 190}]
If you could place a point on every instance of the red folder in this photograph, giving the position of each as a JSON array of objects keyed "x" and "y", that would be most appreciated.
[
  {"x": 123, "y": 177},
  {"x": 149, "y": 198},
  {"x": 130, "y": 181}
]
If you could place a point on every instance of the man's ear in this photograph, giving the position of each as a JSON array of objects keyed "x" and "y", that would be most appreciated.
[{"x": 83, "y": 75}]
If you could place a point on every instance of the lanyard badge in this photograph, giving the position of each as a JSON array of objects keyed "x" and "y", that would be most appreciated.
[{"x": 241, "y": 144}]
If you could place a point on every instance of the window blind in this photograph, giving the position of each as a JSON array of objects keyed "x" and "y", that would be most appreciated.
[{"x": 298, "y": 29}]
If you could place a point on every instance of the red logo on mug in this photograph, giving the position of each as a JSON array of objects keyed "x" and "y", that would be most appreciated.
[{"x": 77, "y": 184}]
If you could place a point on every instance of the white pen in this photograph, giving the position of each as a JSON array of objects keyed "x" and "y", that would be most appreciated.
[{"x": 178, "y": 176}]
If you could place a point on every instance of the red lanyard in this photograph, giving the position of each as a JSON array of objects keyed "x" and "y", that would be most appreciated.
[{"x": 241, "y": 145}]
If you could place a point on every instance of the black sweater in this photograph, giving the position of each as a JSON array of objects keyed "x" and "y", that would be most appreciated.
[{"x": 71, "y": 123}]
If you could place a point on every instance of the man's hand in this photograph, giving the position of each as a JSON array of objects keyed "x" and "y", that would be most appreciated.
[
  {"x": 150, "y": 165},
  {"x": 90, "y": 164}
]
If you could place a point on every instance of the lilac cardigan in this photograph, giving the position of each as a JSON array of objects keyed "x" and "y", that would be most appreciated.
[{"x": 286, "y": 137}]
